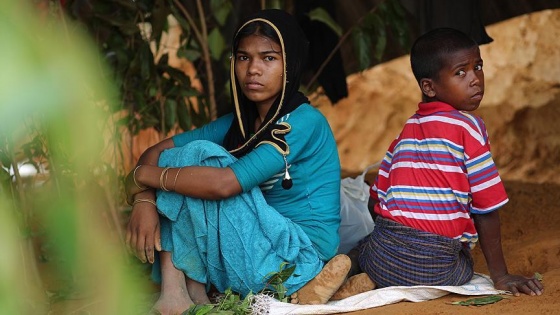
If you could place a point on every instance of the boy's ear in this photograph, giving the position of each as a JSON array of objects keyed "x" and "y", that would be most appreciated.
[{"x": 427, "y": 87}]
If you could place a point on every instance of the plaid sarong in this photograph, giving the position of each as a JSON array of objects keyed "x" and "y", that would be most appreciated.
[{"x": 398, "y": 255}]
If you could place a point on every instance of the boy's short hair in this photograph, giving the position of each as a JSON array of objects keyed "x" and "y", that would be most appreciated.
[{"x": 429, "y": 50}]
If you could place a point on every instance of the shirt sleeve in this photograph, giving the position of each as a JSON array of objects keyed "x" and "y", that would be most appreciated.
[
  {"x": 487, "y": 190},
  {"x": 257, "y": 166}
]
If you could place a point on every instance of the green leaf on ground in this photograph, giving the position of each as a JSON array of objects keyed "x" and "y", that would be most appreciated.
[
  {"x": 538, "y": 276},
  {"x": 480, "y": 301}
]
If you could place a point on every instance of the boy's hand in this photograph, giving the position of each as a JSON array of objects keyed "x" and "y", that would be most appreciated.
[
  {"x": 516, "y": 284},
  {"x": 143, "y": 235}
]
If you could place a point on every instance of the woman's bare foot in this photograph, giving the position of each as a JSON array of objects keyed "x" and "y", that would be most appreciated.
[
  {"x": 320, "y": 289},
  {"x": 197, "y": 292},
  {"x": 174, "y": 297},
  {"x": 174, "y": 303},
  {"x": 354, "y": 285}
]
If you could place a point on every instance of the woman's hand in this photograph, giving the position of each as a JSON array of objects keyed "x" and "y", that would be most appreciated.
[
  {"x": 142, "y": 234},
  {"x": 132, "y": 187},
  {"x": 516, "y": 284}
]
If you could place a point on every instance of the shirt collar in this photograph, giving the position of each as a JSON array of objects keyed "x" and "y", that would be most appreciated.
[{"x": 433, "y": 107}]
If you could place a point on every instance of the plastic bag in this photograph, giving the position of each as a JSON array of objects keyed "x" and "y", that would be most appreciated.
[{"x": 356, "y": 222}]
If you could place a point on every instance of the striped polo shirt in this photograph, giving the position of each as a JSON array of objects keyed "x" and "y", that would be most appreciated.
[{"x": 437, "y": 172}]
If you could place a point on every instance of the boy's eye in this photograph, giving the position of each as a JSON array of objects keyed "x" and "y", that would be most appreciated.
[
  {"x": 478, "y": 67},
  {"x": 461, "y": 73}
]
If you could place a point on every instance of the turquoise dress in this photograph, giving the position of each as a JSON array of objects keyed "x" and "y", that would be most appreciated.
[{"x": 237, "y": 242}]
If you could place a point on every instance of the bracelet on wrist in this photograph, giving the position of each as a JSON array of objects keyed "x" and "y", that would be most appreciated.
[
  {"x": 134, "y": 178},
  {"x": 144, "y": 200}
]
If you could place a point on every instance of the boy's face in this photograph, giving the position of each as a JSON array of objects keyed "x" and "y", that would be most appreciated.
[{"x": 460, "y": 82}]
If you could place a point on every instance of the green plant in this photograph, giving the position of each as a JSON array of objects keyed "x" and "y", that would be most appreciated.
[
  {"x": 231, "y": 303},
  {"x": 479, "y": 301},
  {"x": 276, "y": 281},
  {"x": 130, "y": 36},
  {"x": 52, "y": 110},
  {"x": 369, "y": 34}
]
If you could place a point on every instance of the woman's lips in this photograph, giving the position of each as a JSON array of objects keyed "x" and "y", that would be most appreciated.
[{"x": 253, "y": 85}]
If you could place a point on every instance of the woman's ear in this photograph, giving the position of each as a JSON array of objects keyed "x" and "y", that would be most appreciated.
[{"x": 427, "y": 87}]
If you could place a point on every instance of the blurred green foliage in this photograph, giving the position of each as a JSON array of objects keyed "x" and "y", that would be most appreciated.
[{"x": 56, "y": 227}]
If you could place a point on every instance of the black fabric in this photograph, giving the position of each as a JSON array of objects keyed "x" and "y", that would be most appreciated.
[
  {"x": 295, "y": 48},
  {"x": 463, "y": 15},
  {"x": 322, "y": 41}
]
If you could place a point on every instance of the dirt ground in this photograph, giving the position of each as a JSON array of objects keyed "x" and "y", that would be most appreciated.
[{"x": 531, "y": 242}]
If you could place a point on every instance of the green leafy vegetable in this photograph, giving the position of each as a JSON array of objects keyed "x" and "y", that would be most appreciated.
[
  {"x": 479, "y": 301},
  {"x": 538, "y": 276}
]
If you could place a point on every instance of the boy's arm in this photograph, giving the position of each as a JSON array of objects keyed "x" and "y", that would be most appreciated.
[{"x": 489, "y": 233}]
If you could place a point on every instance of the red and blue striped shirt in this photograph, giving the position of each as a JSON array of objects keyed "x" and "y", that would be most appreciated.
[{"x": 437, "y": 172}]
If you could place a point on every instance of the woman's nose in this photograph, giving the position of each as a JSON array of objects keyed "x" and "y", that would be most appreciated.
[{"x": 254, "y": 68}]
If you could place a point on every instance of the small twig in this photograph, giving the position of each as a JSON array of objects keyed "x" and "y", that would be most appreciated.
[
  {"x": 207, "y": 62},
  {"x": 202, "y": 37},
  {"x": 189, "y": 18}
]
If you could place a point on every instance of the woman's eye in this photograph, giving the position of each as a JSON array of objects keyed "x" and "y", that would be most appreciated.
[
  {"x": 242, "y": 58},
  {"x": 269, "y": 58}
]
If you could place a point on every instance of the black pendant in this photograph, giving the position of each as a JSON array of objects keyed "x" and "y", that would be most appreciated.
[{"x": 287, "y": 181}]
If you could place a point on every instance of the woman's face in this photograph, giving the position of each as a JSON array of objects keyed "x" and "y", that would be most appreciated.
[{"x": 259, "y": 68}]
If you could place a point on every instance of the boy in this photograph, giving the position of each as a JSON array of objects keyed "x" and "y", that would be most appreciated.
[{"x": 438, "y": 191}]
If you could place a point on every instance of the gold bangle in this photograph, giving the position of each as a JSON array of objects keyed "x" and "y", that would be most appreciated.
[
  {"x": 134, "y": 179},
  {"x": 163, "y": 179},
  {"x": 144, "y": 200},
  {"x": 176, "y": 176}
]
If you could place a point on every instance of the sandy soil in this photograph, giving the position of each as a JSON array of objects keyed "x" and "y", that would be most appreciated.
[{"x": 531, "y": 242}]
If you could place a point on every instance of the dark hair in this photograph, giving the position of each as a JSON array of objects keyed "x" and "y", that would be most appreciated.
[
  {"x": 428, "y": 53},
  {"x": 255, "y": 28}
]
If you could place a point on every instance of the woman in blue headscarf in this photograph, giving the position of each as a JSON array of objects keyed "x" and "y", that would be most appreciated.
[{"x": 249, "y": 191}]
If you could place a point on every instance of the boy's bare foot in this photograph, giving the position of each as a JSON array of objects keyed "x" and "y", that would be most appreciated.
[
  {"x": 174, "y": 303},
  {"x": 320, "y": 289},
  {"x": 354, "y": 285}
]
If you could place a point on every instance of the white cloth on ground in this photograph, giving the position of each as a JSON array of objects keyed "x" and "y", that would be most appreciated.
[{"x": 479, "y": 285}]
